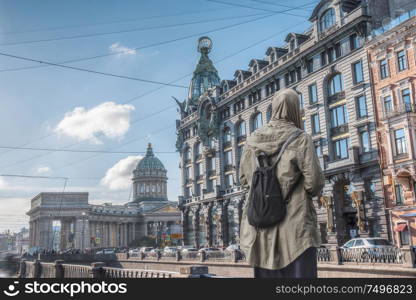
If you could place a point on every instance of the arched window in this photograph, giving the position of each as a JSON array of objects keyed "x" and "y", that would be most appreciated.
[
  {"x": 227, "y": 135},
  {"x": 335, "y": 85},
  {"x": 257, "y": 121},
  {"x": 269, "y": 114},
  {"x": 241, "y": 129},
  {"x": 327, "y": 19}
]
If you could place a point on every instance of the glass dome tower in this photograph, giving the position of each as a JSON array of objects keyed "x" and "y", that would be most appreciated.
[{"x": 205, "y": 75}]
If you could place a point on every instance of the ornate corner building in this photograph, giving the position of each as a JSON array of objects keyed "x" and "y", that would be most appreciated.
[
  {"x": 328, "y": 65},
  {"x": 392, "y": 55},
  {"x": 67, "y": 220}
]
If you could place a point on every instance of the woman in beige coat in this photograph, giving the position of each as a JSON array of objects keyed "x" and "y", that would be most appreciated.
[{"x": 287, "y": 249}]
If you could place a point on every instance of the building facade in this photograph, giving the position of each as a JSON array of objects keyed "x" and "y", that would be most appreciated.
[
  {"x": 328, "y": 66},
  {"x": 67, "y": 220},
  {"x": 392, "y": 57}
]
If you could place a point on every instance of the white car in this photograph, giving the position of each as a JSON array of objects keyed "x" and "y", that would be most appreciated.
[
  {"x": 145, "y": 249},
  {"x": 368, "y": 248},
  {"x": 358, "y": 243},
  {"x": 107, "y": 251},
  {"x": 170, "y": 250},
  {"x": 134, "y": 251}
]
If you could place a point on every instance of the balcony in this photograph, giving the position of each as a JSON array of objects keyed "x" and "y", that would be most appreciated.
[
  {"x": 187, "y": 161},
  {"x": 209, "y": 152},
  {"x": 336, "y": 97},
  {"x": 403, "y": 108},
  {"x": 198, "y": 157},
  {"x": 212, "y": 173},
  {"x": 228, "y": 168},
  {"x": 227, "y": 144},
  {"x": 199, "y": 177},
  {"x": 241, "y": 139},
  {"x": 339, "y": 130}
]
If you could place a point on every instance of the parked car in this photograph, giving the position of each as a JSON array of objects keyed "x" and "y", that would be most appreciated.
[
  {"x": 107, "y": 251},
  {"x": 189, "y": 250},
  {"x": 366, "y": 248},
  {"x": 146, "y": 249},
  {"x": 170, "y": 250},
  {"x": 134, "y": 251},
  {"x": 210, "y": 251},
  {"x": 233, "y": 247}
]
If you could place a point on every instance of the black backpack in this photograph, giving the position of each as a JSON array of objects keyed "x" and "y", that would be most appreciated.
[{"x": 266, "y": 206}]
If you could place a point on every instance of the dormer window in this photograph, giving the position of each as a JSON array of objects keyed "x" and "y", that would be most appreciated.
[
  {"x": 327, "y": 19},
  {"x": 272, "y": 57},
  {"x": 239, "y": 80},
  {"x": 255, "y": 69}
]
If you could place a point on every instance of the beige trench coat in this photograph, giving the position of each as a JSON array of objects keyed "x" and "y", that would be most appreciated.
[{"x": 276, "y": 247}]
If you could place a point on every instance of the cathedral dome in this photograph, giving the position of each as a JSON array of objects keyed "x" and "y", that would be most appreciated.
[
  {"x": 150, "y": 161},
  {"x": 149, "y": 179}
]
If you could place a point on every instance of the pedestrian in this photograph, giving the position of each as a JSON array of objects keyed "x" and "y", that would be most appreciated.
[{"x": 288, "y": 248}]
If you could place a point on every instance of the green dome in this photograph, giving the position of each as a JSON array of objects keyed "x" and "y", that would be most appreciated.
[{"x": 150, "y": 161}]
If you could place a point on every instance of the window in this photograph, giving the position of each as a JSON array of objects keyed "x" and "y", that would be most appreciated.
[
  {"x": 309, "y": 65},
  {"x": 187, "y": 192},
  {"x": 197, "y": 169},
  {"x": 388, "y": 106},
  {"x": 406, "y": 99},
  {"x": 187, "y": 173},
  {"x": 227, "y": 135},
  {"x": 357, "y": 69},
  {"x": 228, "y": 158},
  {"x": 211, "y": 142},
  {"x": 401, "y": 60},
  {"x": 257, "y": 121},
  {"x": 354, "y": 41},
  {"x": 339, "y": 116},
  {"x": 301, "y": 104},
  {"x": 364, "y": 139},
  {"x": 361, "y": 105},
  {"x": 315, "y": 124},
  {"x": 229, "y": 180},
  {"x": 341, "y": 149},
  {"x": 404, "y": 237},
  {"x": 241, "y": 129},
  {"x": 269, "y": 113},
  {"x": 331, "y": 54},
  {"x": 299, "y": 74},
  {"x": 211, "y": 164},
  {"x": 327, "y": 19},
  {"x": 400, "y": 141},
  {"x": 335, "y": 85},
  {"x": 210, "y": 185},
  {"x": 398, "y": 189},
  {"x": 323, "y": 58},
  {"x": 239, "y": 153},
  {"x": 187, "y": 154},
  {"x": 198, "y": 190},
  {"x": 313, "y": 93},
  {"x": 318, "y": 148},
  {"x": 198, "y": 150},
  {"x": 359, "y": 243},
  {"x": 384, "y": 68}
]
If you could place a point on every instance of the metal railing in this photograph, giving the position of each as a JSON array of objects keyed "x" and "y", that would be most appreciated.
[
  {"x": 403, "y": 108},
  {"x": 391, "y": 255}
]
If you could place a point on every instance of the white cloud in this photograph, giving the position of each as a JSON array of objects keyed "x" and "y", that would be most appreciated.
[
  {"x": 42, "y": 170},
  {"x": 109, "y": 119},
  {"x": 121, "y": 50},
  {"x": 118, "y": 177}
]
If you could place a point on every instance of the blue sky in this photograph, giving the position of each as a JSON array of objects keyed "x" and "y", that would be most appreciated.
[{"x": 35, "y": 101}]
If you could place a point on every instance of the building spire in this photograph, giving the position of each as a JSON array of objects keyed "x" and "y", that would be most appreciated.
[{"x": 149, "y": 151}]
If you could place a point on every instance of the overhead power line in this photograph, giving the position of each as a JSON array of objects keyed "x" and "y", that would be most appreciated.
[
  {"x": 281, "y": 5},
  {"x": 258, "y": 8},
  {"x": 33, "y": 176},
  {"x": 92, "y": 71},
  {"x": 161, "y": 87},
  {"x": 110, "y": 22},
  {"x": 158, "y": 43},
  {"x": 81, "y": 151},
  {"x": 88, "y": 35}
]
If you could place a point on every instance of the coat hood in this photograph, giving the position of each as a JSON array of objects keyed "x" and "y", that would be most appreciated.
[{"x": 285, "y": 120}]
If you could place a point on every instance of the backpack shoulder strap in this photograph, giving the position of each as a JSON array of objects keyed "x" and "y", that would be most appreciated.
[{"x": 291, "y": 138}]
